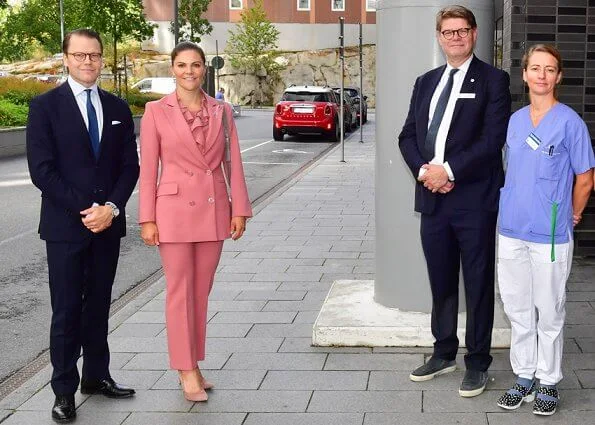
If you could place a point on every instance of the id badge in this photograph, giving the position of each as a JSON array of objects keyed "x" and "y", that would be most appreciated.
[{"x": 533, "y": 141}]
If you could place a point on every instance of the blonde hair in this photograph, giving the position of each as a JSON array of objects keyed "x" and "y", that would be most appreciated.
[{"x": 545, "y": 48}]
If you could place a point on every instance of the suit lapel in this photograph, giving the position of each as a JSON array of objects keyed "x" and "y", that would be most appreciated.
[
  {"x": 472, "y": 79},
  {"x": 106, "y": 132},
  {"x": 75, "y": 118},
  {"x": 178, "y": 123},
  {"x": 216, "y": 112},
  {"x": 428, "y": 92}
]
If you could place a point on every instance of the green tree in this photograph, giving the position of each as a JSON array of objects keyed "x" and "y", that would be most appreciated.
[
  {"x": 252, "y": 45},
  {"x": 118, "y": 20},
  {"x": 192, "y": 24},
  {"x": 3, "y": 4}
]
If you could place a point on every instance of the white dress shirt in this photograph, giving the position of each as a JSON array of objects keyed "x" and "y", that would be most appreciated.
[
  {"x": 457, "y": 83},
  {"x": 81, "y": 100}
]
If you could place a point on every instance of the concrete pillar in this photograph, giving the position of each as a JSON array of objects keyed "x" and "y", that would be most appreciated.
[{"x": 406, "y": 47}]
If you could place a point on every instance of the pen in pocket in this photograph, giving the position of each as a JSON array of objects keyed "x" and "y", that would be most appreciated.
[{"x": 551, "y": 150}]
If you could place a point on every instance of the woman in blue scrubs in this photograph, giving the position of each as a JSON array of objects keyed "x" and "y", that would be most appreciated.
[{"x": 548, "y": 148}]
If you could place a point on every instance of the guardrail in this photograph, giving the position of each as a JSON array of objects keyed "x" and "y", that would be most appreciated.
[{"x": 12, "y": 140}]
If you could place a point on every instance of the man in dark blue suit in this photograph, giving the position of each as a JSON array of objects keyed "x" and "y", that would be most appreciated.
[
  {"x": 81, "y": 150},
  {"x": 452, "y": 140}
]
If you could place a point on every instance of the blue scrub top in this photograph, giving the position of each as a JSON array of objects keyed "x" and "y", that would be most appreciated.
[{"x": 536, "y": 200}]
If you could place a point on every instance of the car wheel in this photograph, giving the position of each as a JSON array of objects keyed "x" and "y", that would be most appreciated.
[
  {"x": 346, "y": 125},
  {"x": 334, "y": 135},
  {"x": 365, "y": 120},
  {"x": 277, "y": 135}
]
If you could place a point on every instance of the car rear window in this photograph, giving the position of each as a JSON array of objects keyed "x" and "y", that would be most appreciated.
[
  {"x": 352, "y": 92},
  {"x": 305, "y": 96}
]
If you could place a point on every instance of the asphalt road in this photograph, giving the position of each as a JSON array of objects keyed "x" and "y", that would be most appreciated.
[{"x": 24, "y": 296}]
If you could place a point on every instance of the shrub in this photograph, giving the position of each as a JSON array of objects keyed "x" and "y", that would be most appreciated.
[
  {"x": 19, "y": 91},
  {"x": 12, "y": 115}
]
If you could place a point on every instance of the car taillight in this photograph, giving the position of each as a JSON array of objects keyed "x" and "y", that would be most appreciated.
[
  {"x": 327, "y": 110},
  {"x": 278, "y": 110}
]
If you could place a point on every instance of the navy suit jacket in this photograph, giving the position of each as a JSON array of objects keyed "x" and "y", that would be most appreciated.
[
  {"x": 63, "y": 167},
  {"x": 474, "y": 143}
]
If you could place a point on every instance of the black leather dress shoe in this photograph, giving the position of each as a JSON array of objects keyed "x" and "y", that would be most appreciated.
[
  {"x": 64, "y": 410},
  {"x": 107, "y": 387}
]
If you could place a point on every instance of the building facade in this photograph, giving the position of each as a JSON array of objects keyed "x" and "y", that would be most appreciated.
[{"x": 304, "y": 24}]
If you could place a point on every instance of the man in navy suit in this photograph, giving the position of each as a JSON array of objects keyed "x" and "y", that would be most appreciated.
[
  {"x": 81, "y": 150},
  {"x": 452, "y": 141}
]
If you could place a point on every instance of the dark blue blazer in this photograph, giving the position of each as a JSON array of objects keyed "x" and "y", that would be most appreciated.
[
  {"x": 63, "y": 167},
  {"x": 474, "y": 143}
]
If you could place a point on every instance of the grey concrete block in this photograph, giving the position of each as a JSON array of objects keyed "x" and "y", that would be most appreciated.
[
  {"x": 254, "y": 401},
  {"x": 315, "y": 380},
  {"x": 304, "y": 345},
  {"x": 578, "y": 313},
  {"x": 306, "y": 317},
  {"x": 137, "y": 379},
  {"x": 586, "y": 378},
  {"x": 236, "y": 305},
  {"x": 579, "y": 361},
  {"x": 4, "y": 414},
  {"x": 587, "y": 345},
  {"x": 451, "y": 401},
  {"x": 579, "y": 331},
  {"x": 282, "y": 330},
  {"x": 320, "y": 269},
  {"x": 119, "y": 360},
  {"x": 313, "y": 253},
  {"x": 227, "y": 330},
  {"x": 271, "y": 295},
  {"x": 138, "y": 329},
  {"x": 331, "y": 277},
  {"x": 138, "y": 418},
  {"x": 83, "y": 418},
  {"x": 293, "y": 306},
  {"x": 580, "y": 296},
  {"x": 243, "y": 345},
  {"x": 44, "y": 400},
  {"x": 365, "y": 401},
  {"x": 270, "y": 264},
  {"x": 276, "y": 361},
  {"x": 561, "y": 417},
  {"x": 254, "y": 317},
  {"x": 253, "y": 286},
  {"x": 268, "y": 254},
  {"x": 160, "y": 361},
  {"x": 222, "y": 379},
  {"x": 233, "y": 277},
  {"x": 147, "y": 317},
  {"x": 221, "y": 293},
  {"x": 130, "y": 344},
  {"x": 287, "y": 277},
  {"x": 426, "y": 419},
  {"x": 143, "y": 401},
  {"x": 304, "y": 419},
  {"x": 154, "y": 305},
  {"x": 405, "y": 362},
  {"x": 305, "y": 286}
]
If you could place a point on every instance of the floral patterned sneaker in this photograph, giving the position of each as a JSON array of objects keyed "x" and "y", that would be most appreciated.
[
  {"x": 546, "y": 401},
  {"x": 514, "y": 397}
]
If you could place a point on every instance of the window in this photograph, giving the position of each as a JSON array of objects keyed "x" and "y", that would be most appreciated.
[
  {"x": 303, "y": 4},
  {"x": 337, "y": 5},
  {"x": 235, "y": 4},
  {"x": 370, "y": 5},
  {"x": 305, "y": 96}
]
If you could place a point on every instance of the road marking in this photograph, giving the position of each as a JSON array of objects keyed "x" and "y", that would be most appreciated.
[
  {"x": 15, "y": 237},
  {"x": 254, "y": 147},
  {"x": 290, "y": 151},
  {"x": 20, "y": 182}
]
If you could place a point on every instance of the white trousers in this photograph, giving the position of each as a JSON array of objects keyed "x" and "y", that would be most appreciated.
[{"x": 533, "y": 290}]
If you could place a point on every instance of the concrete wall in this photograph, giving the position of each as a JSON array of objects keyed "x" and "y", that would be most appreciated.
[{"x": 293, "y": 37}]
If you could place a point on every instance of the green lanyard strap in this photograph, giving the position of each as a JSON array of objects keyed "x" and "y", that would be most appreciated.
[{"x": 554, "y": 216}]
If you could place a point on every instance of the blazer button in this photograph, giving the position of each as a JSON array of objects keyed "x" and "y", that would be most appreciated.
[
  {"x": 191, "y": 203},
  {"x": 209, "y": 172},
  {"x": 211, "y": 200}
]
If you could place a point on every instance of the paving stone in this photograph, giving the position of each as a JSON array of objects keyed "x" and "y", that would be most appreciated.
[
  {"x": 222, "y": 379},
  {"x": 561, "y": 417},
  {"x": 276, "y": 361},
  {"x": 138, "y": 418},
  {"x": 254, "y": 317},
  {"x": 287, "y": 277},
  {"x": 331, "y": 277},
  {"x": 119, "y": 360},
  {"x": 268, "y": 254},
  {"x": 236, "y": 305},
  {"x": 272, "y": 295},
  {"x": 44, "y": 400},
  {"x": 137, "y": 379},
  {"x": 579, "y": 361},
  {"x": 4, "y": 414},
  {"x": 310, "y": 253},
  {"x": 415, "y": 350},
  {"x": 579, "y": 331},
  {"x": 82, "y": 418},
  {"x": 293, "y": 306},
  {"x": 304, "y": 419},
  {"x": 233, "y": 277},
  {"x": 154, "y": 305},
  {"x": 425, "y": 419},
  {"x": 253, "y": 286},
  {"x": 147, "y": 317},
  {"x": 578, "y": 313},
  {"x": 304, "y": 345},
  {"x": 130, "y": 344},
  {"x": 320, "y": 269},
  {"x": 318, "y": 380},
  {"x": 587, "y": 345},
  {"x": 269, "y": 264},
  {"x": 228, "y": 330},
  {"x": 365, "y": 401},
  {"x": 143, "y": 401},
  {"x": 243, "y": 345},
  {"x": 306, "y": 286},
  {"x": 373, "y": 361},
  {"x": 586, "y": 378},
  {"x": 306, "y": 317},
  {"x": 580, "y": 296},
  {"x": 221, "y": 293},
  {"x": 281, "y": 330},
  {"x": 160, "y": 361},
  {"x": 255, "y": 401}
]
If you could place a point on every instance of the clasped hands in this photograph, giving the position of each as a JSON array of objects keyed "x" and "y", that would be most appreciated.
[
  {"x": 97, "y": 218},
  {"x": 435, "y": 179}
]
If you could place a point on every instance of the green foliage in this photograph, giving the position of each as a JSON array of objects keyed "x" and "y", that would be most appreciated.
[
  {"x": 136, "y": 98},
  {"x": 12, "y": 115},
  {"x": 20, "y": 92},
  {"x": 192, "y": 24},
  {"x": 251, "y": 46}
]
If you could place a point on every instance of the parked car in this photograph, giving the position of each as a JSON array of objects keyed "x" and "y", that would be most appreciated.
[
  {"x": 307, "y": 110},
  {"x": 356, "y": 94},
  {"x": 352, "y": 109},
  {"x": 159, "y": 85}
]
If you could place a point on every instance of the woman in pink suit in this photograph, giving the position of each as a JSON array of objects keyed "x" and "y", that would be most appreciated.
[{"x": 186, "y": 211}]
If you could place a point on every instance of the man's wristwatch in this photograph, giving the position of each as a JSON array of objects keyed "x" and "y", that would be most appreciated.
[{"x": 115, "y": 210}]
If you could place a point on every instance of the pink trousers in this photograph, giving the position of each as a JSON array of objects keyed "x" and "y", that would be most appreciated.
[{"x": 189, "y": 272}]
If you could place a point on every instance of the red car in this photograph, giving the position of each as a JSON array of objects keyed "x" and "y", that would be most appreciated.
[{"x": 308, "y": 110}]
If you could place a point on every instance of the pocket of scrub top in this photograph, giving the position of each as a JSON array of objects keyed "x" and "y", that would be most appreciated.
[
  {"x": 549, "y": 166},
  {"x": 506, "y": 209},
  {"x": 167, "y": 189},
  {"x": 543, "y": 215}
]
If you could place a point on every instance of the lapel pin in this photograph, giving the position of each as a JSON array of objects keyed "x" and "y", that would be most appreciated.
[{"x": 472, "y": 80}]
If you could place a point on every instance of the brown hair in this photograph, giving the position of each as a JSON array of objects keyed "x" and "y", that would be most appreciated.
[
  {"x": 85, "y": 32},
  {"x": 545, "y": 48},
  {"x": 455, "y": 11},
  {"x": 187, "y": 45}
]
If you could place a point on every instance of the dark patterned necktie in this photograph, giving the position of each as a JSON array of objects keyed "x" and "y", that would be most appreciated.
[
  {"x": 93, "y": 125},
  {"x": 430, "y": 142}
]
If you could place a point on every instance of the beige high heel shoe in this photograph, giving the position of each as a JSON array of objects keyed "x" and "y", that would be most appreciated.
[{"x": 200, "y": 395}]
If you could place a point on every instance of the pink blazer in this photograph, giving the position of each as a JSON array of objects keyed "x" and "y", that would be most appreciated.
[{"x": 190, "y": 202}]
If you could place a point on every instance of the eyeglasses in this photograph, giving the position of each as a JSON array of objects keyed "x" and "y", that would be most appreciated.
[
  {"x": 81, "y": 57},
  {"x": 461, "y": 32}
]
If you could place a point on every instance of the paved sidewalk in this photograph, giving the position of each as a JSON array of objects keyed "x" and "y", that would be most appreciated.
[{"x": 268, "y": 291}]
